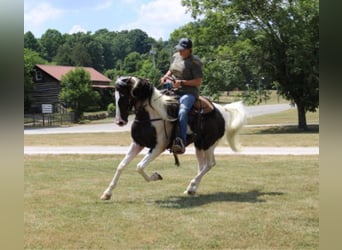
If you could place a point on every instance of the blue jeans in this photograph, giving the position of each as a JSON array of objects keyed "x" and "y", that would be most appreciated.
[{"x": 186, "y": 101}]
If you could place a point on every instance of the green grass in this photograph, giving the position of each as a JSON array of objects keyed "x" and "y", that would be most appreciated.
[
  {"x": 236, "y": 96},
  {"x": 254, "y": 202},
  {"x": 285, "y": 117},
  {"x": 245, "y": 202}
]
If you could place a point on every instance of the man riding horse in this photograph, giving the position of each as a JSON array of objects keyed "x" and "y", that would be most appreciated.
[{"x": 186, "y": 76}]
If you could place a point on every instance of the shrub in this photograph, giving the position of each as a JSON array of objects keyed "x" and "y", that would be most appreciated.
[{"x": 111, "y": 109}]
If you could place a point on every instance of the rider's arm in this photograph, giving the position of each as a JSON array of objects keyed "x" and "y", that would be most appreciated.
[
  {"x": 166, "y": 76},
  {"x": 193, "y": 82}
]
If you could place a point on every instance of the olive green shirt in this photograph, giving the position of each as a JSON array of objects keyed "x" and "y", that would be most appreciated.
[{"x": 187, "y": 69}]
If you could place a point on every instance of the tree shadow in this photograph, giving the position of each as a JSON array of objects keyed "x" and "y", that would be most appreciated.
[
  {"x": 179, "y": 202},
  {"x": 290, "y": 129}
]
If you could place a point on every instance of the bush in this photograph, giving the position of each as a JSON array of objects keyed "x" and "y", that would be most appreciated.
[{"x": 111, "y": 109}]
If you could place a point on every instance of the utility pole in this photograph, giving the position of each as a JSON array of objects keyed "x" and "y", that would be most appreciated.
[{"x": 153, "y": 53}]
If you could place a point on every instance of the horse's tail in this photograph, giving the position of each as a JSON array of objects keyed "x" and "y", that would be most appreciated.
[{"x": 238, "y": 118}]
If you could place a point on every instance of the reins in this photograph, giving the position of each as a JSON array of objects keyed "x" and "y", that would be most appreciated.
[{"x": 148, "y": 120}]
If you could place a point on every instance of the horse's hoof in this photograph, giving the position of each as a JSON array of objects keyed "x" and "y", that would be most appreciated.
[
  {"x": 106, "y": 197},
  {"x": 156, "y": 177},
  {"x": 189, "y": 192}
]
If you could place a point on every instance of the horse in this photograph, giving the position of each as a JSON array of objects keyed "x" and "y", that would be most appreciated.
[{"x": 154, "y": 123}]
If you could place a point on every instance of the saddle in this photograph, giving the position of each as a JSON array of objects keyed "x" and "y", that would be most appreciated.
[{"x": 202, "y": 105}]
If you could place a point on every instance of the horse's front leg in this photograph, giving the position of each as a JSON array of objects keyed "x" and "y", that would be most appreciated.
[
  {"x": 133, "y": 151},
  {"x": 150, "y": 156}
]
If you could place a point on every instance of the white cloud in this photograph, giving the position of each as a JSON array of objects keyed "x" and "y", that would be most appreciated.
[
  {"x": 77, "y": 28},
  {"x": 159, "y": 17},
  {"x": 104, "y": 5},
  {"x": 41, "y": 13},
  {"x": 37, "y": 17}
]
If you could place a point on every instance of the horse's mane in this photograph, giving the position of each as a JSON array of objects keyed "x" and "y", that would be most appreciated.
[
  {"x": 143, "y": 90},
  {"x": 161, "y": 102}
]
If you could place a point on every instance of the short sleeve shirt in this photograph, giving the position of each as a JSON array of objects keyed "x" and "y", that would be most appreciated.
[{"x": 187, "y": 69}]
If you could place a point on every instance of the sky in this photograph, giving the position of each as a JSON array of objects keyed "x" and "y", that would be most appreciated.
[{"x": 158, "y": 18}]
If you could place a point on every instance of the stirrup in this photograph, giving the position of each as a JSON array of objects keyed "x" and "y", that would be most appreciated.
[{"x": 178, "y": 146}]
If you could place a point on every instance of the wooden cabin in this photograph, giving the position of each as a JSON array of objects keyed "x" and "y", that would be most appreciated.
[{"x": 47, "y": 80}]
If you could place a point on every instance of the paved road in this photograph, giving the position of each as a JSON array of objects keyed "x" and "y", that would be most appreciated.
[
  {"x": 252, "y": 111},
  {"x": 33, "y": 150},
  {"x": 110, "y": 127}
]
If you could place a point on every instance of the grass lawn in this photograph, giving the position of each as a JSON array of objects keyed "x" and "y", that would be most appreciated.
[{"x": 245, "y": 202}]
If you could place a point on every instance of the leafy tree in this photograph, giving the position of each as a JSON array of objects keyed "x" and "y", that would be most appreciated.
[
  {"x": 106, "y": 37},
  {"x": 132, "y": 62},
  {"x": 77, "y": 93},
  {"x": 50, "y": 41},
  {"x": 163, "y": 59},
  {"x": 30, "y": 42},
  {"x": 95, "y": 51},
  {"x": 80, "y": 56},
  {"x": 148, "y": 71},
  {"x": 31, "y": 58},
  {"x": 286, "y": 33},
  {"x": 139, "y": 41},
  {"x": 64, "y": 55}
]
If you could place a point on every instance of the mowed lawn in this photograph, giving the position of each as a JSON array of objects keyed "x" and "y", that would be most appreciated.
[
  {"x": 244, "y": 202},
  {"x": 254, "y": 202}
]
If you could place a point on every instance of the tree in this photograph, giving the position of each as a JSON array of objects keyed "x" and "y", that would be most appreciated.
[
  {"x": 139, "y": 41},
  {"x": 77, "y": 93},
  {"x": 95, "y": 51},
  {"x": 64, "y": 55},
  {"x": 106, "y": 37},
  {"x": 31, "y": 58},
  {"x": 80, "y": 56},
  {"x": 30, "y": 42},
  {"x": 50, "y": 41},
  {"x": 286, "y": 34},
  {"x": 132, "y": 62}
]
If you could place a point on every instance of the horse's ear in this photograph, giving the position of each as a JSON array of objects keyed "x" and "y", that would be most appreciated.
[{"x": 119, "y": 81}]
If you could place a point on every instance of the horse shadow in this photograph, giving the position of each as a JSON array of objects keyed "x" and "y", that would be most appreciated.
[{"x": 180, "y": 202}]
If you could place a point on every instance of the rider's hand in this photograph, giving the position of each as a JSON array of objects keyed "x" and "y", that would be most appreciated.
[
  {"x": 177, "y": 84},
  {"x": 163, "y": 79}
]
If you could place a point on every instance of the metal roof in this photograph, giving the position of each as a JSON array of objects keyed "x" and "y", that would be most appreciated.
[{"x": 58, "y": 71}]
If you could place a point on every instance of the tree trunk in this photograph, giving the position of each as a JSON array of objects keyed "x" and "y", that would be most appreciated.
[{"x": 301, "y": 117}]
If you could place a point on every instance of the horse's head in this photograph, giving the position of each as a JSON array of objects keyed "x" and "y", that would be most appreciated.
[{"x": 129, "y": 91}]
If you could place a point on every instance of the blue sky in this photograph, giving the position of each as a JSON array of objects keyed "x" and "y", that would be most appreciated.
[{"x": 158, "y": 18}]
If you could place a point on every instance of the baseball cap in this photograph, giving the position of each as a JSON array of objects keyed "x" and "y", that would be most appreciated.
[{"x": 184, "y": 43}]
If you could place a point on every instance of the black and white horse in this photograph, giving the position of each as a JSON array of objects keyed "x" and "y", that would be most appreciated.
[{"x": 153, "y": 128}]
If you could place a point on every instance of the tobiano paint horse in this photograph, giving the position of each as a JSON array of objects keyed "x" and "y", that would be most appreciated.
[{"x": 154, "y": 123}]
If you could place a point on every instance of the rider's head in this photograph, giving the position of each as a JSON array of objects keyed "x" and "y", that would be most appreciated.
[{"x": 184, "y": 47}]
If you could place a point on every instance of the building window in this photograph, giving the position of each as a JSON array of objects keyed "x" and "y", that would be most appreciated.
[{"x": 39, "y": 75}]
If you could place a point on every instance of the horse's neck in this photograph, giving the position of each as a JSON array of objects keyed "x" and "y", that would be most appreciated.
[
  {"x": 153, "y": 113},
  {"x": 157, "y": 105}
]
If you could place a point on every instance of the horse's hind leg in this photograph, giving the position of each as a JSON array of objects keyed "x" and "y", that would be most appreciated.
[
  {"x": 201, "y": 159},
  {"x": 132, "y": 152},
  {"x": 206, "y": 161}
]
